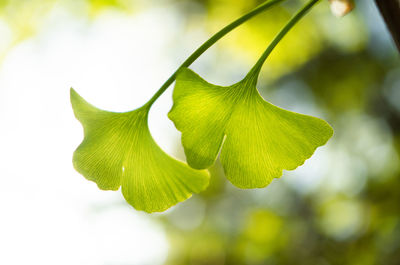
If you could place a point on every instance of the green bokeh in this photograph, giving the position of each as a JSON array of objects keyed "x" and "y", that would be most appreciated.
[{"x": 340, "y": 69}]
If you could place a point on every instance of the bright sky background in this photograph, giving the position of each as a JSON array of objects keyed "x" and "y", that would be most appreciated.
[{"x": 49, "y": 213}]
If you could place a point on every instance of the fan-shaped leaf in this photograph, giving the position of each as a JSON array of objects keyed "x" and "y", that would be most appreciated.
[
  {"x": 257, "y": 139},
  {"x": 118, "y": 150}
]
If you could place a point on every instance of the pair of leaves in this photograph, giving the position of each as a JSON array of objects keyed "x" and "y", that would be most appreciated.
[{"x": 257, "y": 141}]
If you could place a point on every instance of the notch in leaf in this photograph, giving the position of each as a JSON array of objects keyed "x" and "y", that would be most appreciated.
[
  {"x": 257, "y": 140},
  {"x": 118, "y": 150}
]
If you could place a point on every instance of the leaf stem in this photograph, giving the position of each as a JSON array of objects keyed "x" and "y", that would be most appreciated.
[
  {"x": 255, "y": 71},
  {"x": 266, "y": 5}
]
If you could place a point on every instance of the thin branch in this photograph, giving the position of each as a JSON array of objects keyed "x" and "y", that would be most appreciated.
[{"x": 390, "y": 10}]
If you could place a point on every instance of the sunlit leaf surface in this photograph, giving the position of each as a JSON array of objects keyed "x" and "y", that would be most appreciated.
[
  {"x": 258, "y": 139},
  {"x": 118, "y": 150}
]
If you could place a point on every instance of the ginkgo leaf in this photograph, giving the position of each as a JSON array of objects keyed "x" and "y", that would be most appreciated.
[
  {"x": 257, "y": 140},
  {"x": 118, "y": 150}
]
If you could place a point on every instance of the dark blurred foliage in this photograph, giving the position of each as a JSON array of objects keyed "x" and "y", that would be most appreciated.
[{"x": 347, "y": 71}]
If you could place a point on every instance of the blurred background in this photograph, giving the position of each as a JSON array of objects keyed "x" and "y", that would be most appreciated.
[{"x": 341, "y": 207}]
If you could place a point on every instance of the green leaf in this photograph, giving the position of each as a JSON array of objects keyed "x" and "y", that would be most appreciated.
[
  {"x": 118, "y": 150},
  {"x": 257, "y": 140}
]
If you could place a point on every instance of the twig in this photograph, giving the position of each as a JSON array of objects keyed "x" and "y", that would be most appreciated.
[{"x": 390, "y": 10}]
